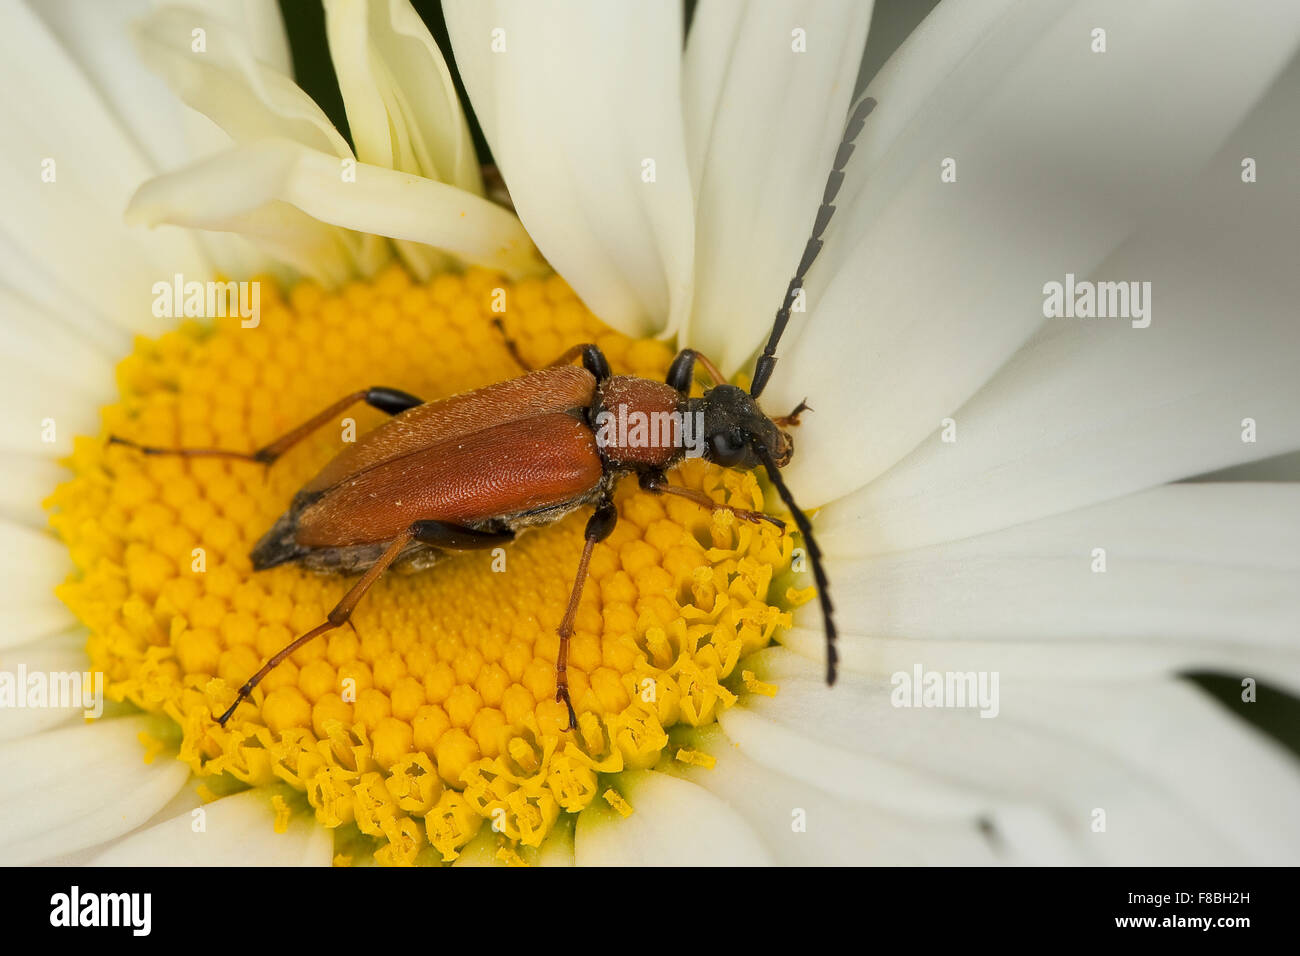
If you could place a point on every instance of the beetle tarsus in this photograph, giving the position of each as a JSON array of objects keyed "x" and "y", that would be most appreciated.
[
  {"x": 562, "y": 695},
  {"x": 793, "y": 418},
  {"x": 230, "y": 711},
  {"x": 657, "y": 483},
  {"x": 511, "y": 345}
]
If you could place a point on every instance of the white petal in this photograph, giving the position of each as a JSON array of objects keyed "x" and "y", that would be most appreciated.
[
  {"x": 1180, "y": 780},
  {"x": 403, "y": 109},
  {"x": 1196, "y": 576},
  {"x": 48, "y": 373},
  {"x": 485, "y": 849},
  {"x": 238, "y": 95},
  {"x": 32, "y": 564},
  {"x": 26, "y": 279},
  {"x": 802, "y": 825},
  {"x": 97, "y": 36},
  {"x": 673, "y": 823},
  {"x": 249, "y": 184},
  {"x": 1094, "y": 409},
  {"x": 75, "y": 787},
  {"x": 581, "y": 97},
  {"x": 1278, "y": 468},
  {"x": 225, "y": 82},
  {"x": 29, "y": 478},
  {"x": 557, "y": 848},
  {"x": 763, "y": 122},
  {"x": 72, "y": 227},
  {"x": 926, "y": 287},
  {"x": 236, "y": 831},
  {"x": 481, "y": 851},
  {"x": 63, "y": 654},
  {"x": 258, "y": 22}
]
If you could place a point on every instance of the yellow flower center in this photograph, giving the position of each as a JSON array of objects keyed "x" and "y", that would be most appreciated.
[{"x": 432, "y": 712}]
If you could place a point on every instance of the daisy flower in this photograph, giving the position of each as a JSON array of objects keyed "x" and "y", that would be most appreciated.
[{"x": 1001, "y": 493}]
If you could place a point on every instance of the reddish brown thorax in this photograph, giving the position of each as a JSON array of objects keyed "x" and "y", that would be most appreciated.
[{"x": 639, "y": 423}]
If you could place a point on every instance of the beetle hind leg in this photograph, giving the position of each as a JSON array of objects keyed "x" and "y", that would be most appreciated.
[
  {"x": 593, "y": 359},
  {"x": 437, "y": 533},
  {"x": 390, "y": 400}
]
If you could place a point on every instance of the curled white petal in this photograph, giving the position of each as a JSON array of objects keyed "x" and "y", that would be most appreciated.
[
  {"x": 227, "y": 83},
  {"x": 218, "y": 192},
  {"x": 402, "y": 106}
]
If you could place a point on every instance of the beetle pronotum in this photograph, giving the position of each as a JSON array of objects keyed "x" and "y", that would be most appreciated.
[{"x": 472, "y": 470}]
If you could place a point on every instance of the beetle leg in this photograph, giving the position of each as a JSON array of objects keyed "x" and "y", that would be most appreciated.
[
  {"x": 390, "y": 400},
  {"x": 657, "y": 482},
  {"x": 436, "y": 533},
  {"x": 599, "y": 527},
  {"x": 336, "y": 618},
  {"x": 512, "y": 346},
  {"x": 793, "y": 417},
  {"x": 454, "y": 537},
  {"x": 593, "y": 359},
  {"x": 682, "y": 372}
]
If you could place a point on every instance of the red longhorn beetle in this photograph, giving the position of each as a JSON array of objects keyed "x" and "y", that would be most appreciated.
[{"x": 473, "y": 470}]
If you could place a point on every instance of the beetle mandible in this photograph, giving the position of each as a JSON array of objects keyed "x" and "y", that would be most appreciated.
[{"x": 473, "y": 470}]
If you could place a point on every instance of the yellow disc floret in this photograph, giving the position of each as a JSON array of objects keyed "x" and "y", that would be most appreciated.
[{"x": 432, "y": 712}]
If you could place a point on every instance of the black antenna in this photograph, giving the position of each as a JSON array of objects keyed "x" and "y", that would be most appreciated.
[
  {"x": 767, "y": 361},
  {"x": 814, "y": 554}
]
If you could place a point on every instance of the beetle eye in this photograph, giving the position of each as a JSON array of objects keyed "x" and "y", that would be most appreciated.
[{"x": 728, "y": 446}]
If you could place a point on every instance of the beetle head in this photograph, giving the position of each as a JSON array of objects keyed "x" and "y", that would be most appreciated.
[{"x": 734, "y": 425}]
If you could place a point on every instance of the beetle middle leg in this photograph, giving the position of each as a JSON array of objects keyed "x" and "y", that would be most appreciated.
[
  {"x": 599, "y": 527},
  {"x": 657, "y": 482},
  {"x": 390, "y": 400},
  {"x": 439, "y": 534}
]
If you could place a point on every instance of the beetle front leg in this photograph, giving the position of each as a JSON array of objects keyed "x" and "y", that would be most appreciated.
[
  {"x": 390, "y": 400},
  {"x": 682, "y": 372},
  {"x": 599, "y": 527},
  {"x": 657, "y": 482},
  {"x": 784, "y": 421}
]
